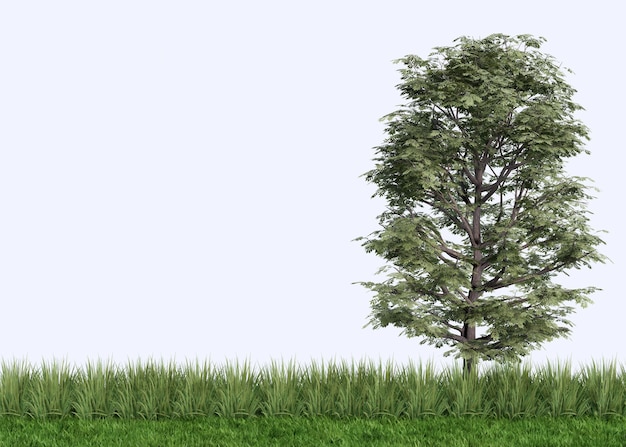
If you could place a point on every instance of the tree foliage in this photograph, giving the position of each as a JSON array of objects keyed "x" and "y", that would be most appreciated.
[{"x": 481, "y": 215}]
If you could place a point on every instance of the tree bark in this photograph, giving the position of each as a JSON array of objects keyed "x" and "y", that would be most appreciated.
[
  {"x": 475, "y": 237},
  {"x": 469, "y": 332}
]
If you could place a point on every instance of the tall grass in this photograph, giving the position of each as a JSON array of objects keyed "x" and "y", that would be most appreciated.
[{"x": 154, "y": 390}]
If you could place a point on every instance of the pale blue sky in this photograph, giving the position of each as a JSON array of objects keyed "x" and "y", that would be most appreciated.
[{"x": 181, "y": 178}]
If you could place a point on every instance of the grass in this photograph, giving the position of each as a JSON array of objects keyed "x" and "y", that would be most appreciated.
[
  {"x": 155, "y": 391},
  {"x": 334, "y": 403},
  {"x": 314, "y": 432}
]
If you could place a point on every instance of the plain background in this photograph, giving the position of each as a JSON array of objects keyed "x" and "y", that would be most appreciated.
[{"x": 180, "y": 179}]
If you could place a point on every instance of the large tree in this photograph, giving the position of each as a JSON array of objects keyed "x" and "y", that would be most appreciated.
[{"x": 480, "y": 213}]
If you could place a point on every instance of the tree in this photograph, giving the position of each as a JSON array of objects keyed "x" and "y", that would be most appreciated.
[{"x": 481, "y": 215}]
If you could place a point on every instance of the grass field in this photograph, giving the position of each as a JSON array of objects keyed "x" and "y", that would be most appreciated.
[
  {"x": 314, "y": 432},
  {"x": 152, "y": 390},
  {"x": 335, "y": 404}
]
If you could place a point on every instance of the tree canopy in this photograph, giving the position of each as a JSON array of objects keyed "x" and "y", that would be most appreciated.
[{"x": 480, "y": 212}]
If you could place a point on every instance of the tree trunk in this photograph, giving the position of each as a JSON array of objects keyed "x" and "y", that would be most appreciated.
[
  {"x": 469, "y": 332},
  {"x": 468, "y": 365},
  {"x": 475, "y": 237}
]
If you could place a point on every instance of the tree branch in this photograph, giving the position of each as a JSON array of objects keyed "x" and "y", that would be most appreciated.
[
  {"x": 504, "y": 174},
  {"x": 498, "y": 276},
  {"x": 469, "y": 175},
  {"x": 450, "y": 252},
  {"x": 521, "y": 279},
  {"x": 457, "y": 217},
  {"x": 455, "y": 337},
  {"x": 462, "y": 188}
]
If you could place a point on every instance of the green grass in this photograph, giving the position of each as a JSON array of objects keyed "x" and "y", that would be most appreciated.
[
  {"x": 156, "y": 391},
  {"x": 314, "y": 432},
  {"x": 321, "y": 404}
]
